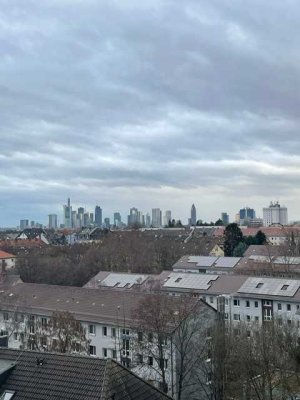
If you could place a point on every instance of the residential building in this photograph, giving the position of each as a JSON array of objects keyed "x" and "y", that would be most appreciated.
[
  {"x": 98, "y": 216},
  {"x": 156, "y": 218},
  {"x": 40, "y": 375},
  {"x": 52, "y": 224},
  {"x": 7, "y": 260},
  {"x": 206, "y": 264},
  {"x": 68, "y": 214},
  {"x": 243, "y": 298},
  {"x": 275, "y": 214},
  {"x": 109, "y": 318}
]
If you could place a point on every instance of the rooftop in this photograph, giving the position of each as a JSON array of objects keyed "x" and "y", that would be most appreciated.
[{"x": 39, "y": 375}]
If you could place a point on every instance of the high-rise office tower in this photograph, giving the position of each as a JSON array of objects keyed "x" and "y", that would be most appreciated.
[
  {"x": 98, "y": 216},
  {"x": 117, "y": 219},
  {"x": 156, "y": 218},
  {"x": 91, "y": 218},
  {"x": 24, "y": 223},
  {"x": 68, "y": 214},
  {"x": 275, "y": 214},
  {"x": 107, "y": 222},
  {"x": 193, "y": 219},
  {"x": 225, "y": 218},
  {"x": 133, "y": 216},
  {"x": 148, "y": 220},
  {"x": 167, "y": 217},
  {"x": 52, "y": 223}
]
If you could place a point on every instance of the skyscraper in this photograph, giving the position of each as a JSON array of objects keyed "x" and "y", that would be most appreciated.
[
  {"x": 167, "y": 217},
  {"x": 52, "y": 224},
  {"x": 193, "y": 219},
  {"x": 133, "y": 217},
  {"x": 24, "y": 223},
  {"x": 156, "y": 218},
  {"x": 68, "y": 214},
  {"x": 117, "y": 219},
  {"x": 225, "y": 218},
  {"x": 98, "y": 216}
]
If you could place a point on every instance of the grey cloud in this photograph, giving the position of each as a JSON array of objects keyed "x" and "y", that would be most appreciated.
[{"x": 110, "y": 94}]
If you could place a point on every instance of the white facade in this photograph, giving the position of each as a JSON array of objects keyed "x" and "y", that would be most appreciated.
[{"x": 275, "y": 214}]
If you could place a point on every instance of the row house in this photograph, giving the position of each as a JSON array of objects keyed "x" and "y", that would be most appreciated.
[
  {"x": 241, "y": 298},
  {"x": 109, "y": 321}
]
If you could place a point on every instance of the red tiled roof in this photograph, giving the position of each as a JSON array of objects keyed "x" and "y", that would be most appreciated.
[{"x": 4, "y": 254}]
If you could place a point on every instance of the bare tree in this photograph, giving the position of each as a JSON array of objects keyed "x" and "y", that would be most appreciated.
[{"x": 60, "y": 333}]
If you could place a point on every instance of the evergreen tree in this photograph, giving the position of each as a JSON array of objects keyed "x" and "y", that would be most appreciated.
[
  {"x": 260, "y": 238},
  {"x": 233, "y": 236}
]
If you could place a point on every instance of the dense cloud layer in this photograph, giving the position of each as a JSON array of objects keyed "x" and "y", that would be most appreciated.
[{"x": 148, "y": 103}]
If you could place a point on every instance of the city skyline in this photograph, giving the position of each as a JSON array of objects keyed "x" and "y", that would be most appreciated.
[
  {"x": 96, "y": 215},
  {"x": 149, "y": 104}
]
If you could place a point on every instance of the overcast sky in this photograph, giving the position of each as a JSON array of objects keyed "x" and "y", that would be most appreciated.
[{"x": 149, "y": 103}]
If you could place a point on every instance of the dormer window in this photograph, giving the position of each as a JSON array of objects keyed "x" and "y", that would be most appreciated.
[
  {"x": 259, "y": 285},
  {"x": 178, "y": 280},
  {"x": 7, "y": 395},
  {"x": 284, "y": 287}
]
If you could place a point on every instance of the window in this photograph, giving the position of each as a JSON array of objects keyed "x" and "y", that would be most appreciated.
[
  {"x": 247, "y": 303},
  {"x": 211, "y": 299},
  {"x": 289, "y": 321},
  {"x": 44, "y": 322},
  {"x": 226, "y": 301},
  {"x": 236, "y": 317},
  {"x": 208, "y": 332},
  {"x": 126, "y": 332},
  {"x": 5, "y": 316},
  {"x": 279, "y": 307},
  {"x": 92, "y": 329},
  {"x": 284, "y": 287},
  {"x": 104, "y": 330},
  {"x": 92, "y": 350},
  {"x": 279, "y": 321},
  {"x": 236, "y": 332},
  {"x": 150, "y": 337},
  {"x": 259, "y": 285},
  {"x": 15, "y": 335},
  {"x": 31, "y": 329},
  {"x": 248, "y": 334},
  {"x": 248, "y": 317},
  {"x": 226, "y": 316},
  {"x": 178, "y": 280},
  {"x": 139, "y": 358},
  {"x": 236, "y": 302},
  {"x": 288, "y": 307},
  {"x": 76, "y": 347},
  {"x": 104, "y": 352},
  {"x": 113, "y": 353},
  {"x": 150, "y": 361},
  {"x": 43, "y": 341},
  {"x": 256, "y": 319},
  {"x": 256, "y": 304},
  {"x": 113, "y": 332},
  {"x": 140, "y": 336}
]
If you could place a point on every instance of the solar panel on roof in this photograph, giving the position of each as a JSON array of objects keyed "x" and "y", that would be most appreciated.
[
  {"x": 270, "y": 286},
  {"x": 190, "y": 281},
  {"x": 122, "y": 280},
  {"x": 227, "y": 262}
]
